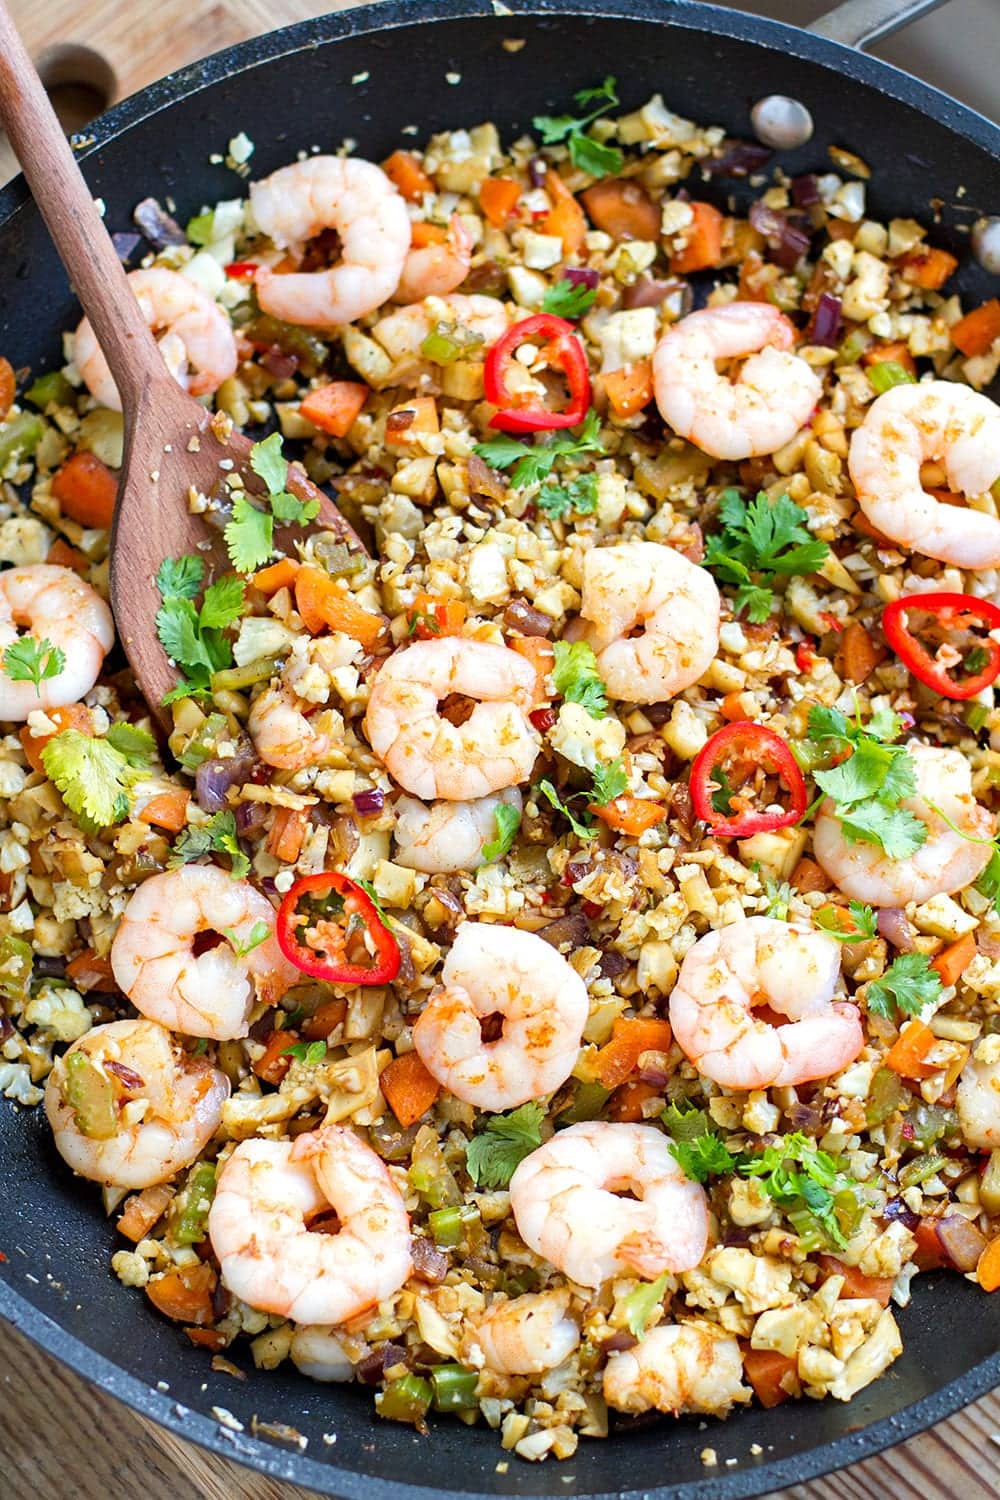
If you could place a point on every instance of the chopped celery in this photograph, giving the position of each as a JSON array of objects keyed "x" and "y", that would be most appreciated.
[
  {"x": 888, "y": 1093},
  {"x": 639, "y": 1305},
  {"x": 450, "y": 341},
  {"x": 19, "y": 437},
  {"x": 976, "y": 715},
  {"x": 919, "y": 1170},
  {"x": 853, "y": 347},
  {"x": 930, "y": 1123},
  {"x": 588, "y": 1101},
  {"x": 15, "y": 967},
  {"x": 48, "y": 389},
  {"x": 338, "y": 559},
  {"x": 448, "y": 1226},
  {"x": 989, "y": 1186},
  {"x": 189, "y": 1210},
  {"x": 808, "y": 1231},
  {"x": 235, "y": 679},
  {"x": 888, "y": 373},
  {"x": 90, "y": 1094},
  {"x": 454, "y": 1387},
  {"x": 307, "y": 347},
  {"x": 405, "y": 1400},
  {"x": 430, "y": 1174},
  {"x": 203, "y": 744}
]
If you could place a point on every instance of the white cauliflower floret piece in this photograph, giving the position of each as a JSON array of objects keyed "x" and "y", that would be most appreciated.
[
  {"x": 61, "y": 1012},
  {"x": 584, "y": 740},
  {"x": 758, "y": 1281}
]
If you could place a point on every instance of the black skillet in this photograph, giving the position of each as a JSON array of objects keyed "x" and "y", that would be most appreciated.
[{"x": 440, "y": 64}]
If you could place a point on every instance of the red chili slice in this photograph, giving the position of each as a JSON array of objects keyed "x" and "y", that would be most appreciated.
[
  {"x": 561, "y": 350},
  {"x": 242, "y": 270},
  {"x": 948, "y": 612},
  {"x": 340, "y": 906},
  {"x": 744, "y": 747}
]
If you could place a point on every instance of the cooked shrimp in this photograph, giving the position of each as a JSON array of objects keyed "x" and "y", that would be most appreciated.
[
  {"x": 448, "y": 836},
  {"x": 210, "y": 993},
  {"x": 402, "y": 332},
  {"x": 758, "y": 412},
  {"x": 502, "y": 971},
  {"x": 356, "y": 199},
  {"x": 564, "y": 1198},
  {"x": 947, "y": 862},
  {"x": 679, "y": 1367},
  {"x": 436, "y": 270},
  {"x": 676, "y": 604},
  {"x": 140, "y": 1111},
  {"x": 319, "y": 1353},
  {"x": 427, "y": 754},
  {"x": 283, "y": 736},
  {"x": 194, "y": 332},
  {"x": 523, "y": 1335},
  {"x": 267, "y": 1193},
  {"x": 977, "y": 1099},
  {"x": 760, "y": 961},
  {"x": 913, "y": 424},
  {"x": 54, "y": 605}
]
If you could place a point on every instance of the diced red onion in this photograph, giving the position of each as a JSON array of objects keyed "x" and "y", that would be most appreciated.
[
  {"x": 214, "y": 778},
  {"x": 369, "y": 802},
  {"x": 249, "y": 817},
  {"x": 739, "y": 159},
  {"x": 126, "y": 1077},
  {"x": 786, "y": 242},
  {"x": 576, "y": 870},
  {"x": 279, "y": 364},
  {"x": 537, "y": 171},
  {"x": 157, "y": 225},
  {"x": 805, "y": 190},
  {"x": 736, "y": 1236},
  {"x": 805, "y": 1118},
  {"x": 374, "y": 1365},
  {"x": 620, "y": 1341},
  {"x": 894, "y": 927},
  {"x": 48, "y": 966},
  {"x": 429, "y": 1263},
  {"x": 567, "y": 932},
  {"x": 656, "y": 1077},
  {"x": 826, "y": 320},
  {"x": 646, "y": 291},
  {"x": 125, "y": 244},
  {"x": 897, "y": 1211},
  {"x": 612, "y": 964},
  {"x": 522, "y": 616},
  {"x": 581, "y": 276},
  {"x": 6, "y": 1029},
  {"x": 961, "y": 1241}
]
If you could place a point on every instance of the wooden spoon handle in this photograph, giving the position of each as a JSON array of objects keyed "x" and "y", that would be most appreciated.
[{"x": 66, "y": 204}]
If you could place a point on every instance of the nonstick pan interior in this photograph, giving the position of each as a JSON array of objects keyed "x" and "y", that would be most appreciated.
[{"x": 931, "y": 158}]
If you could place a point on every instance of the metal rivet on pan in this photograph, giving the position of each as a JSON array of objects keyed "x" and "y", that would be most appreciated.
[
  {"x": 781, "y": 122},
  {"x": 986, "y": 244}
]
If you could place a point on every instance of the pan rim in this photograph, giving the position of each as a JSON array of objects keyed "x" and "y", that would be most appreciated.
[{"x": 690, "y": 15}]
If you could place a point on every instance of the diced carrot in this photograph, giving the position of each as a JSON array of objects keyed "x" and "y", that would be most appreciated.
[
  {"x": 771, "y": 1374},
  {"x": 906, "y": 1056},
  {"x": 423, "y": 234},
  {"x": 841, "y": 229},
  {"x": 979, "y": 330},
  {"x": 703, "y": 246},
  {"x": 409, "y": 1088},
  {"x": 857, "y": 655},
  {"x": 185, "y": 1293},
  {"x": 856, "y": 1283},
  {"x": 207, "y": 1338},
  {"x": 619, "y": 1058},
  {"x": 929, "y": 268},
  {"x": 621, "y": 207},
  {"x": 631, "y": 815},
  {"x": 325, "y": 1019},
  {"x": 897, "y": 353},
  {"x": 929, "y": 1253},
  {"x": 8, "y": 386},
  {"x": 407, "y": 175},
  {"x": 952, "y": 962},
  {"x": 334, "y": 408},
  {"x": 278, "y": 575},
  {"x": 62, "y": 555},
  {"x": 142, "y": 1211},
  {"x": 71, "y": 716},
  {"x": 86, "y": 490},
  {"x": 498, "y": 199},
  {"x": 566, "y": 219},
  {"x": 90, "y": 970},
  {"x": 625, "y": 1105},
  {"x": 809, "y": 876},
  {"x": 733, "y": 707},
  {"x": 412, "y": 420},
  {"x": 167, "y": 810},
  {"x": 988, "y": 1269},
  {"x": 287, "y": 833},
  {"x": 629, "y": 389},
  {"x": 541, "y": 654},
  {"x": 272, "y": 1065},
  {"x": 429, "y": 617},
  {"x": 326, "y": 605}
]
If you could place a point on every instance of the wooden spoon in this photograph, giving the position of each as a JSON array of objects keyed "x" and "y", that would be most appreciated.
[{"x": 171, "y": 443}]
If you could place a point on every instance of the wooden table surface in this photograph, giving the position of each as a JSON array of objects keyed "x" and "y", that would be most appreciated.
[{"x": 49, "y": 1417}]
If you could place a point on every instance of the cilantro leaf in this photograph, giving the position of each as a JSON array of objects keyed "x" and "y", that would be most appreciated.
[
  {"x": 259, "y": 933},
  {"x": 492, "y": 1156},
  {"x": 180, "y": 637},
  {"x": 508, "y": 821},
  {"x": 639, "y": 1305},
  {"x": 594, "y": 157},
  {"x": 532, "y": 462},
  {"x": 31, "y": 660},
  {"x": 269, "y": 463},
  {"x": 180, "y": 577},
  {"x": 288, "y": 508},
  {"x": 853, "y": 926},
  {"x": 199, "y": 229},
  {"x": 136, "y": 745},
  {"x": 557, "y": 500},
  {"x": 704, "y": 1157},
  {"x": 568, "y": 299},
  {"x": 586, "y": 153},
  {"x": 576, "y": 677},
  {"x": 249, "y": 536},
  {"x": 217, "y": 836},
  {"x": 759, "y": 542},
  {"x": 897, "y": 831},
  {"x": 815, "y": 1188},
  {"x": 222, "y": 604},
  {"x": 988, "y": 884},
  {"x": 309, "y": 1053},
  {"x": 779, "y": 894},
  {"x": 609, "y": 781},
  {"x": 907, "y": 986},
  {"x": 686, "y": 1124},
  {"x": 93, "y": 777},
  {"x": 582, "y": 829},
  {"x": 869, "y": 786},
  {"x": 722, "y": 797}
]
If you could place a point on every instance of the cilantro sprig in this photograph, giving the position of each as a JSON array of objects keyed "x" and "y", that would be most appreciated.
[
  {"x": 193, "y": 636},
  {"x": 908, "y": 984},
  {"x": 95, "y": 775},
  {"x": 508, "y": 821},
  {"x": 569, "y": 299},
  {"x": 589, "y": 155},
  {"x": 309, "y": 1053},
  {"x": 853, "y": 926},
  {"x": 505, "y": 1140},
  {"x": 249, "y": 533},
  {"x": 696, "y": 1146},
  {"x": 531, "y": 463},
  {"x": 259, "y": 933},
  {"x": 869, "y": 785},
  {"x": 557, "y": 500},
  {"x": 32, "y": 660},
  {"x": 607, "y": 782},
  {"x": 217, "y": 836},
  {"x": 759, "y": 543},
  {"x": 577, "y": 679}
]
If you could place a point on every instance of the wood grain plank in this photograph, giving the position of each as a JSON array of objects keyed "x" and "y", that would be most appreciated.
[{"x": 46, "y": 1412}]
